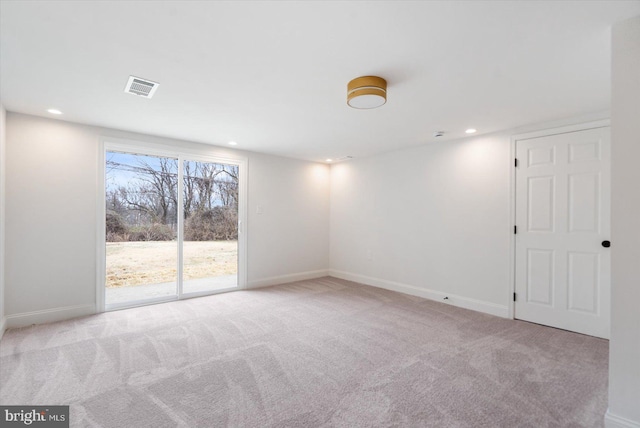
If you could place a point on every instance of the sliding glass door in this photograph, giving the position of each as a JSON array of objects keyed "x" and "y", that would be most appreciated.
[
  {"x": 141, "y": 227},
  {"x": 210, "y": 239},
  {"x": 171, "y": 227}
]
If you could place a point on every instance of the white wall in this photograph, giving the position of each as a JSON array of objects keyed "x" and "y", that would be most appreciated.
[
  {"x": 624, "y": 348},
  {"x": 3, "y": 116},
  {"x": 51, "y": 211},
  {"x": 432, "y": 221},
  {"x": 292, "y": 233},
  {"x": 51, "y": 207}
]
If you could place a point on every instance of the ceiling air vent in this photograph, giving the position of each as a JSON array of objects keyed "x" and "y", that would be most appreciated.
[{"x": 141, "y": 87}]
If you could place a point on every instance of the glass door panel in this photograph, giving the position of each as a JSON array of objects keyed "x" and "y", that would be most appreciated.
[
  {"x": 210, "y": 237},
  {"x": 141, "y": 228}
]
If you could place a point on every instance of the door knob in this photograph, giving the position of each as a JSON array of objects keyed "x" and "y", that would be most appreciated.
[{"x": 606, "y": 244}]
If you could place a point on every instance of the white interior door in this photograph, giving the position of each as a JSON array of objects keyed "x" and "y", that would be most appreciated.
[{"x": 563, "y": 224}]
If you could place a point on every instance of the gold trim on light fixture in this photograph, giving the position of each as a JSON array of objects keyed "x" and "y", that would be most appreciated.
[{"x": 367, "y": 92}]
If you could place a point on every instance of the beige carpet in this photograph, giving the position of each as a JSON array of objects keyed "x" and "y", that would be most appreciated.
[{"x": 324, "y": 353}]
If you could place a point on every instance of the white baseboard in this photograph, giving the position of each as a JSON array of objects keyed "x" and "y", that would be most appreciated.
[
  {"x": 615, "y": 421},
  {"x": 283, "y": 279},
  {"x": 460, "y": 301},
  {"x": 49, "y": 315}
]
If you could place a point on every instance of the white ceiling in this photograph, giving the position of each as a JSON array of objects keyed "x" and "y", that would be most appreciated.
[{"x": 273, "y": 75}]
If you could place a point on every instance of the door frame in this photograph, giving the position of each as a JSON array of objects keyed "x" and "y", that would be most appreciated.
[
  {"x": 214, "y": 154},
  {"x": 603, "y": 123}
]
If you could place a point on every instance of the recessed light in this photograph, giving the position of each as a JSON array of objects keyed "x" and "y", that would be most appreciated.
[
  {"x": 54, "y": 111},
  {"x": 471, "y": 131},
  {"x": 233, "y": 143},
  {"x": 329, "y": 160}
]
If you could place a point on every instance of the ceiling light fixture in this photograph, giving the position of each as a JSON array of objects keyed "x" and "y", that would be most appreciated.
[
  {"x": 367, "y": 92},
  {"x": 54, "y": 111},
  {"x": 471, "y": 131},
  {"x": 329, "y": 160},
  {"x": 233, "y": 143}
]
